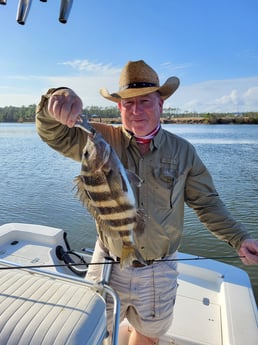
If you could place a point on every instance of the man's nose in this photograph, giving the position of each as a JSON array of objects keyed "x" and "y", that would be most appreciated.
[{"x": 137, "y": 107}]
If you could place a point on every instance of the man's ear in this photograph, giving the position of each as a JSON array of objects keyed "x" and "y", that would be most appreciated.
[
  {"x": 119, "y": 105},
  {"x": 161, "y": 102}
]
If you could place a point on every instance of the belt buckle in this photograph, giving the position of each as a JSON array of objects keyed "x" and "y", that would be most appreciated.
[{"x": 137, "y": 263}]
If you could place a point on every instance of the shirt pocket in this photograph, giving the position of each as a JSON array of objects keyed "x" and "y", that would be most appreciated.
[{"x": 166, "y": 176}]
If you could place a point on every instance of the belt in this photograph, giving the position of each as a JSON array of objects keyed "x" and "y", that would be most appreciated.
[{"x": 138, "y": 264}]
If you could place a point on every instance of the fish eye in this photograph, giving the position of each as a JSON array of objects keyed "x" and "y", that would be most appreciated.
[{"x": 86, "y": 154}]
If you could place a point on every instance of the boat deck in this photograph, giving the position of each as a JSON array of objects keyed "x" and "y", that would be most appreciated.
[{"x": 214, "y": 306}]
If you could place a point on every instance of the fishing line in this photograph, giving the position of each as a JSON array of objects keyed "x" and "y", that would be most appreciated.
[{"x": 112, "y": 262}]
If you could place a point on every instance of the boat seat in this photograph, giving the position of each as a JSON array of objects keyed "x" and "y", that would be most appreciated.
[{"x": 44, "y": 309}]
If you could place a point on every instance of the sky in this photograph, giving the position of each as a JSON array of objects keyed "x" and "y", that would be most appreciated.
[{"x": 211, "y": 45}]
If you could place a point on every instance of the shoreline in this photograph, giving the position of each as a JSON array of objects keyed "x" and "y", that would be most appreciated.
[
  {"x": 211, "y": 120},
  {"x": 190, "y": 120}
]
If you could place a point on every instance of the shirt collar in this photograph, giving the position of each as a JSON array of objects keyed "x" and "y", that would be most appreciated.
[
  {"x": 155, "y": 143},
  {"x": 128, "y": 136}
]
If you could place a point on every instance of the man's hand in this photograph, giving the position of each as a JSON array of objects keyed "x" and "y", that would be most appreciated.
[
  {"x": 249, "y": 251},
  {"x": 65, "y": 106}
]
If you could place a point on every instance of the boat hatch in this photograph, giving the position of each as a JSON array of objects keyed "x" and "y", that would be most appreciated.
[
  {"x": 197, "y": 313},
  {"x": 45, "y": 309}
]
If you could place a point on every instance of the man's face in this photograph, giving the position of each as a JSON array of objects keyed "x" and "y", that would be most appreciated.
[{"x": 141, "y": 114}]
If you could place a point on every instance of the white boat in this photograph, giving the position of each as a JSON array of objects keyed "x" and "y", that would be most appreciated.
[{"x": 42, "y": 301}]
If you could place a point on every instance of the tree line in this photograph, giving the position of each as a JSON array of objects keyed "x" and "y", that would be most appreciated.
[
  {"x": 28, "y": 113},
  {"x": 17, "y": 114}
]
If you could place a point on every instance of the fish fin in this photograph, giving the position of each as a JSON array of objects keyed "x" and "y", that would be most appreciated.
[
  {"x": 81, "y": 193},
  {"x": 133, "y": 178},
  {"x": 124, "y": 184},
  {"x": 113, "y": 182},
  {"x": 140, "y": 222},
  {"x": 139, "y": 256},
  {"x": 127, "y": 256},
  {"x": 84, "y": 196},
  {"x": 105, "y": 228}
]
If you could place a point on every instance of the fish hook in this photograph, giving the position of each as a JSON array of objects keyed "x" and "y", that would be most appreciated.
[{"x": 82, "y": 122}]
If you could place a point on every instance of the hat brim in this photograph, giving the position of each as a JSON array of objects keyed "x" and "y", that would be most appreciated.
[{"x": 166, "y": 90}]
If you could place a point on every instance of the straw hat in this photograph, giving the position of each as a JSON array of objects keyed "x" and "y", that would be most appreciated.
[{"x": 138, "y": 79}]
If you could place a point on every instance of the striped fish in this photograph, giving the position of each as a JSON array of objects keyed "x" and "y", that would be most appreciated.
[{"x": 104, "y": 189}]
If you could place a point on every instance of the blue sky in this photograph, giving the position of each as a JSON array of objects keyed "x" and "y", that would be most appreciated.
[{"x": 211, "y": 45}]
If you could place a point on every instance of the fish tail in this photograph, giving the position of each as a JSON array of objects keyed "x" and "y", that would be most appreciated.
[{"x": 127, "y": 256}]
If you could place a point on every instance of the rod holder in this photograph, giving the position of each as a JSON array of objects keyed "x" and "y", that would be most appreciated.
[
  {"x": 65, "y": 8},
  {"x": 23, "y": 11}
]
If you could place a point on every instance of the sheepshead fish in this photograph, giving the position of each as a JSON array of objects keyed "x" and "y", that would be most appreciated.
[{"x": 103, "y": 187}]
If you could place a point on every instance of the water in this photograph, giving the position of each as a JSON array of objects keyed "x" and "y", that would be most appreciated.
[{"x": 36, "y": 185}]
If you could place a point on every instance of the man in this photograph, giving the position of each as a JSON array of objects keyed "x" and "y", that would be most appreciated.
[{"x": 172, "y": 175}]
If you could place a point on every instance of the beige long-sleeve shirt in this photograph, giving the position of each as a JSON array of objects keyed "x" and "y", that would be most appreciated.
[{"x": 172, "y": 174}]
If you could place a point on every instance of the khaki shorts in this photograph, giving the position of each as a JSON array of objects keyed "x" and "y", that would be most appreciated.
[{"x": 147, "y": 294}]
